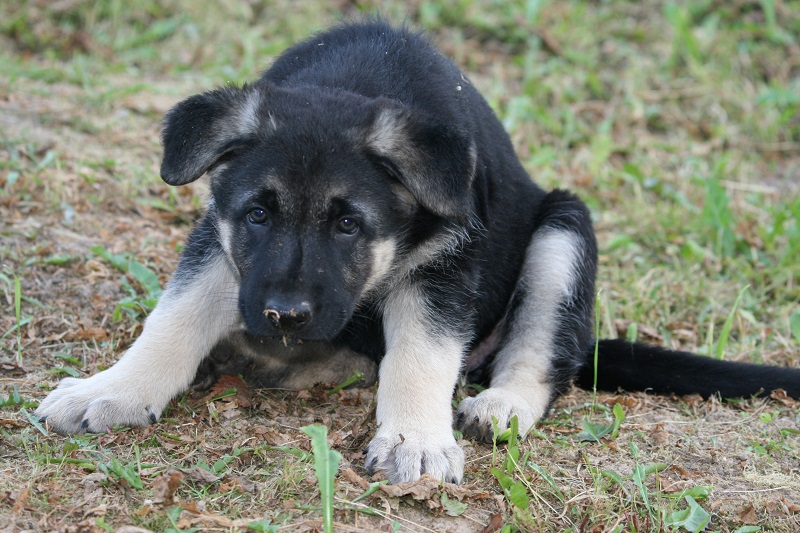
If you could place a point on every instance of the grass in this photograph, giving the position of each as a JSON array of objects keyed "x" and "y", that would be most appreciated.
[{"x": 675, "y": 121}]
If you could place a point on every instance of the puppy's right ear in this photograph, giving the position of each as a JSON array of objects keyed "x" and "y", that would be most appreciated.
[{"x": 197, "y": 132}]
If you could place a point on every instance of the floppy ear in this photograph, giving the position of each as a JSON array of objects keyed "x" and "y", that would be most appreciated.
[
  {"x": 434, "y": 161},
  {"x": 199, "y": 131}
]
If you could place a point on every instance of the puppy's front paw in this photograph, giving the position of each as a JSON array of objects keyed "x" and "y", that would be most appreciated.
[
  {"x": 406, "y": 455},
  {"x": 474, "y": 416},
  {"x": 97, "y": 404}
]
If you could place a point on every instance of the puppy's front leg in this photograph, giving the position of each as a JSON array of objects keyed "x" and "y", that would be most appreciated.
[
  {"x": 194, "y": 313},
  {"x": 416, "y": 381}
]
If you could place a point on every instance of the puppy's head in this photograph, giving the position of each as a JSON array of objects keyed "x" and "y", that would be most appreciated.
[{"x": 314, "y": 193}]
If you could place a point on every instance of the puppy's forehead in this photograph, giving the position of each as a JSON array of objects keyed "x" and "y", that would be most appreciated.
[
  {"x": 323, "y": 198},
  {"x": 310, "y": 200}
]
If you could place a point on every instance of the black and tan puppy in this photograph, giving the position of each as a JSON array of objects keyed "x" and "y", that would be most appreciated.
[{"x": 368, "y": 212}]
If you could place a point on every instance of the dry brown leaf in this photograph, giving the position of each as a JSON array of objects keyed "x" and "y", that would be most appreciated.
[
  {"x": 791, "y": 507},
  {"x": 304, "y": 395},
  {"x": 748, "y": 515},
  {"x": 189, "y": 519},
  {"x": 645, "y": 332},
  {"x": 422, "y": 489},
  {"x": 427, "y": 486},
  {"x": 100, "y": 510},
  {"x": 238, "y": 484},
  {"x": 12, "y": 423},
  {"x": 659, "y": 435},
  {"x": 681, "y": 471},
  {"x": 276, "y": 438},
  {"x": 628, "y": 402},
  {"x": 243, "y": 396},
  {"x": 21, "y": 500},
  {"x": 93, "y": 333},
  {"x": 165, "y": 485},
  {"x": 495, "y": 523},
  {"x": 781, "y": 396},
  {"x": 200, "y": 475}
]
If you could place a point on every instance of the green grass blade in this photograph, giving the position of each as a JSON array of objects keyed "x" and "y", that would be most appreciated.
[
  {"x": 326, "y": 464},
  {"x": 34, "y": 420},
  {"x": 550, "y": 481},
  {"x": 354, "y": 378},
  {"x": 719, "y": 353},
  {"x": 17, "y": 307},
  {"x": 372, "y": 489},
  {"x": 794, "y": 324}
]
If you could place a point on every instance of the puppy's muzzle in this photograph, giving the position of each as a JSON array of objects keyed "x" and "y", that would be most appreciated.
[{"x": 288, "y": 318}]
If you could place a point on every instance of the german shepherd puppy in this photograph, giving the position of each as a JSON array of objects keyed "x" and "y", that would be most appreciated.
[{"x": 368, "y": 213}]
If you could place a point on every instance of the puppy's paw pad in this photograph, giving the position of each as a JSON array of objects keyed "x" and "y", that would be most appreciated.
[{"x": 474, "y": 416}]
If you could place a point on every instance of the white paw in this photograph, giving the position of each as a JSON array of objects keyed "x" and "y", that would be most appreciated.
[
  {"x": 406, "y": 455},
  {"x": 97, "y": 404},
  {"x": 474, "y": 416}
]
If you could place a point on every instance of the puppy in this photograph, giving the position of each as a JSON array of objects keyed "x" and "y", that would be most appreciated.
[{"x": 368, "y": 213}]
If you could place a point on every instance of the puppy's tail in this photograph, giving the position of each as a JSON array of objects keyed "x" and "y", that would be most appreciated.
[{"x": 641, "y": 367}]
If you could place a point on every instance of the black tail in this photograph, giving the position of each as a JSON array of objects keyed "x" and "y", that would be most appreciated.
[{"x": 641, "y": 367}]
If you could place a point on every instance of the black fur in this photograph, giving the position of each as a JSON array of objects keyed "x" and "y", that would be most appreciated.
[{"x": 637, "y": 366}]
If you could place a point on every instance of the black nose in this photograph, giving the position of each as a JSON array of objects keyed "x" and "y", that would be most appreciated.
[{"x": 287, "y": 317}]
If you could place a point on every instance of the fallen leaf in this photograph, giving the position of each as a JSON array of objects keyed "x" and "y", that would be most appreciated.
[
  {"x": 659, "y": 435},
  {"x": 21, "y": 500},
  {"x": 97, "y": 334},
  {"x": 165, "y": 485},
  {"x": 628, "y": 402},
  {"x": 276, "y": 438},
  {"x": 781, "y": 396},
  {"x": 792, "y": 507},
  {"x": 201, "y": 475},
  {"x": 237, "y": 484},
  {"x": 748, "y": 515},
  {"x": 243, "y": 396},
  {"x": 100, "y": 510},
  {"x": 427, "y": 486},
  {"x": 495, "y": 523},
  {"x": 422, "y": 489}
]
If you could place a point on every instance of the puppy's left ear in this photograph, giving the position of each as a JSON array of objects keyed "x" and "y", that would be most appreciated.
[
  {"x": 204, "y": 128},
  {"x": 434, "y": 161}
]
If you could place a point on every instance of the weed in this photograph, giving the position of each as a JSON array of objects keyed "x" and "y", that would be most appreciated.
[
  {"x": 128, "y": 473},
  {"x": 356, "y": 377},
  {"x": 11, "y": 280},
  {"x": 694, "y": 518},
  {"x": 593, "y": 432},
  {"x": 794, "y": 324},
  {"x": 16, "y": 400},
  {"x": 326, "y": 464},
  {"x": 62, "y": 370},
  {"x": 134, "y": 304},
  {"x": 509, "y": 474}
]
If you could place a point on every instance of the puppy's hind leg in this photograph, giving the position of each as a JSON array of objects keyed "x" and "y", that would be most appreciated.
[
  {"x": 550, "y": 322},
  {"x": 195, "y": 311}
]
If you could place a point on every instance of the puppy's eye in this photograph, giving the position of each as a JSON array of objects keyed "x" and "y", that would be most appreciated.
[
  {"x": 257, "y": 216},
  {"x": 347, "y": 225}
]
